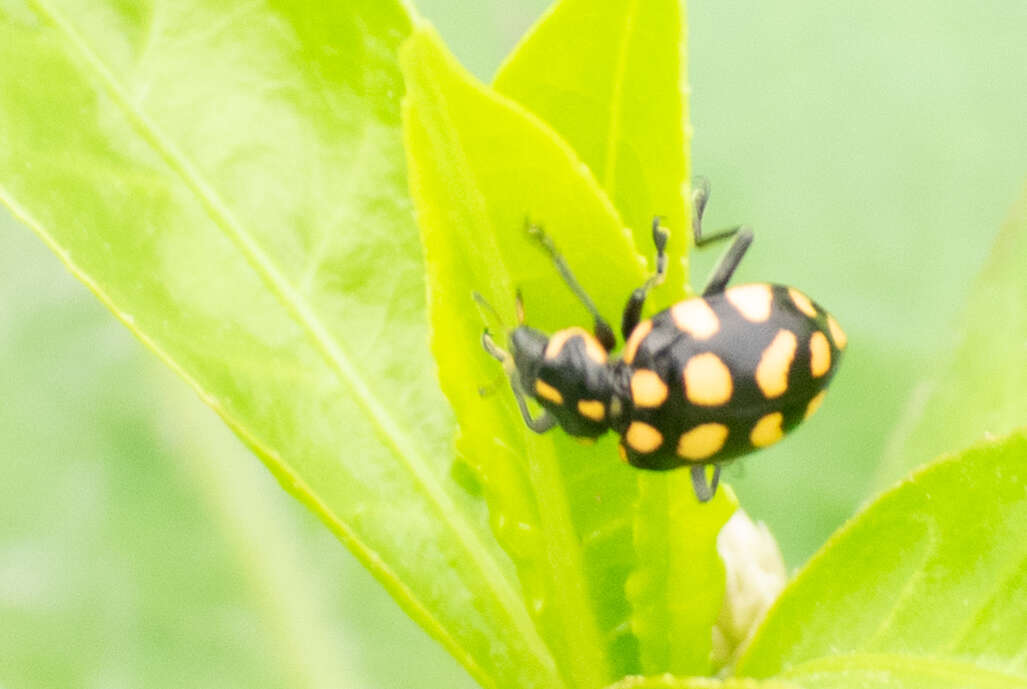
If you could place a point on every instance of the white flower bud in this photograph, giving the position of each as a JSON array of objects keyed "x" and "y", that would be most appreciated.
[{"x": 755, "y": 575}]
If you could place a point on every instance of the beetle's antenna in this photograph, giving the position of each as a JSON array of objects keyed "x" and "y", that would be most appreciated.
[
  {"x": 602, "y": 329},
  {"x": 488, "y": 312}
]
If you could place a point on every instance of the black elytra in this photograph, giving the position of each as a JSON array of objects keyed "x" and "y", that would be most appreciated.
[{"x": 699, "y": 383}]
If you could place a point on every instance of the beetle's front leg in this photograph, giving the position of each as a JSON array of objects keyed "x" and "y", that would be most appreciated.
[{"x": 541, "y": 423}]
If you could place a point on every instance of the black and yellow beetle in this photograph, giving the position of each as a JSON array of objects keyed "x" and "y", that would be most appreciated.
[{"x": 699, "y": 383}]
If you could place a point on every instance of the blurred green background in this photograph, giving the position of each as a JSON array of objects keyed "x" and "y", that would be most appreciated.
[{"x": 875, "y": 147}]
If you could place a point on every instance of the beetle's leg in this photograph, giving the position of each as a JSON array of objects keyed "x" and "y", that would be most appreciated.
[
  {"x": 704, "y": 492},
  {"x": 541, "y": 423},
  {"x": 494, "y": 350},
  {"x": 729, "y": 261},
  {"x": 742, "y": 234},
  {"x": 700, "y": 195},
  {"x": 727, "y": 265},
  {"x": 633, "y": 309},
  {"x": 602, "y": 329},
  {"x": 487, "y": 311}
]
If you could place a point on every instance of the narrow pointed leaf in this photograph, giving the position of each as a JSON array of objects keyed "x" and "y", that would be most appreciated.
[
  {"x": 611, "y": 79},
  {"x": 677, "y": 587},
  {"x": 480, "y": 167},
  {"x": 925, "y": 588},
  {"x": 228, "y": 178}
]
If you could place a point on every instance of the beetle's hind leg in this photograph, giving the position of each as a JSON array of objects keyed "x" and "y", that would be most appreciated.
[
  {"x": 742, "y": 234},
  {"x": 704, "y": 491},
  {"x": 729, "y": 261},
  {"x": 541, "y": 423},
  {"x": 700, "y": 196}
]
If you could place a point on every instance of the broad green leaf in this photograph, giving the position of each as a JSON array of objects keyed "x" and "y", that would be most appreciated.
[
  {"x": 228, "y": 178},
  {"x": 980, "y": 391},
  {"x": 102, "y": 530},
  {"x": 896, "y": 672},
  {"x": 678, "y": 586},
  {"x": 923, "y": 589},
  {"x": 480, "y": 166},
  {"x": 611, "y": 79},
  {"x": 139, "y": 537}
]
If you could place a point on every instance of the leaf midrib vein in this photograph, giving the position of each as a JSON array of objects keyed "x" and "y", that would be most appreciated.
[
  {"x": 329, "y": 348},
  {"x": 616, "y": 109}
]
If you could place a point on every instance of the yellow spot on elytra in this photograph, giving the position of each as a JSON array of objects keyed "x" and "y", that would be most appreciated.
[
  {"x": 837, "y": 334},
  {"x": 802, "y": 302},
  {"x": 559, "y": 339},
  {"x": 767, "y": 430},
  {"x": 707, "y": 380},
  {"x": 819, "y": 354},
  {"x": 642, "y": 437},
  {"x": 592, "y": 409},
  {"x": 696, "y": 318},
  {"x": 585, "y": 440},
  {"x": 547, "y": 391},
  {"x": 752, "y": 301},
  {"x": 772, "y": 371},
  {"x": 814, "y": 404},
  {"x": 702, "y": 442},
  {"x": 647, "y": 390},
  {"x": 622, "y": 451},
  {"x": 637, "y": 335}
]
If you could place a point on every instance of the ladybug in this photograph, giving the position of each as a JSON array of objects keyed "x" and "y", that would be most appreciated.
[{"x": 702, "y": 382}]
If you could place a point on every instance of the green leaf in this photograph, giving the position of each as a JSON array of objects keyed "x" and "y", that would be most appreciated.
[
  {"x": 979, "y": 391},
  {"x": 611, "y": 79},
  {"x": 480, "y": 166},
  {"x": 139, "y": 537},
  {"x": 228, "y": 179},
  {"x": 923, "y": 589},
  {"x": 674, "y": 682},
  {"x": 678, "y": 586},
  {"x": 102, "y": 531},
  {"x": 896, "y": 672}
]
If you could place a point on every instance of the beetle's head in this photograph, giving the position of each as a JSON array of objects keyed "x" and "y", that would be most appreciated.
[
  {"x": 528, "y": 347},
  {"x": 568, "y": 374}
]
